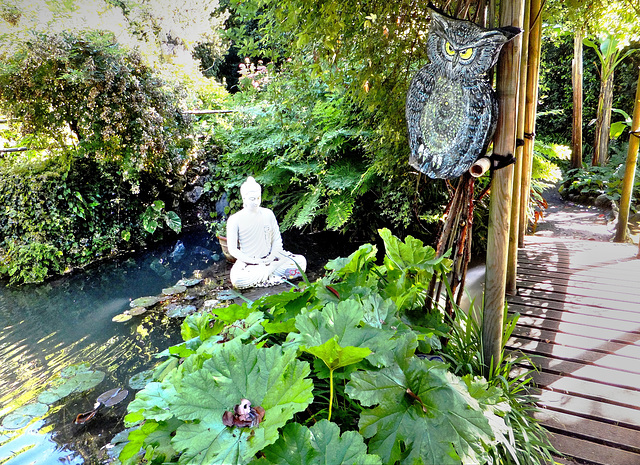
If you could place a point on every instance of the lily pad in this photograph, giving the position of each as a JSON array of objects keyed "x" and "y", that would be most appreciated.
[
  {"x": 22, "y": 416},
  {"x": 227, "y": 294},
  {"x": 121, "y": 318},
  {"x": 173, "y": 290},
  {"x": 137, "y": 311},
  {"x": 180, "y": 311},
  {"x": 149, "y": 301},
  {"x": 113, "y": 397},
  {"x": 140, "y": 380},
  {"x": 77, "y": 378},
  {"x": 189, "y": 282}
]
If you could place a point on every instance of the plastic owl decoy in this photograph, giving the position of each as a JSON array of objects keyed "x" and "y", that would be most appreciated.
[{"x": 451, "y": 108}]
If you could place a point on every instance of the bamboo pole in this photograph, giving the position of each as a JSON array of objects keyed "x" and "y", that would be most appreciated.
[
  {"x": 577, "y": 78},
  {"x": 630, "y": 171},
  {"x": 511, "y": 13},
  {"x": 514, "y": 231},
  {"x": 533, "y": 67}
]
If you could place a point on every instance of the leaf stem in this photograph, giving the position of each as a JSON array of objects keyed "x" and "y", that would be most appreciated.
[{"x": 330, "y": 393}]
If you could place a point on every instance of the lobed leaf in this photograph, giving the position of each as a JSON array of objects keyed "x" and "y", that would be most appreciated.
[{"x": 319, "y": 445}]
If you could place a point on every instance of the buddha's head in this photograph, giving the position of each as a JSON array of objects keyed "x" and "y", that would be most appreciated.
[{"x": 251, "y": 193}]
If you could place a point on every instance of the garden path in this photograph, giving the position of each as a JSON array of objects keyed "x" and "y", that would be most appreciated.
[{"x": 579, "y": 301}]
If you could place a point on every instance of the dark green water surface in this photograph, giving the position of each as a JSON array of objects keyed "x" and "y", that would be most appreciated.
[{"x": 48, "y": 327}]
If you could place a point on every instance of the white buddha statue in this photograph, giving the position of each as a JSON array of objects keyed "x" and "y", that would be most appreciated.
[{"x": 253, "y": 238}]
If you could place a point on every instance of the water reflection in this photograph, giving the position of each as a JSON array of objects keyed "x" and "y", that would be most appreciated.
[{"x": 49, "y": 327}]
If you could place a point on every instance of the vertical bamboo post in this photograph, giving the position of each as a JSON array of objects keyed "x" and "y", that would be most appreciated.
[
  {"x": 511, "y": 13},
  {"x": 514, "y": 231},
  {"x": 533, "y": 67},
  {"x": 577, "y": 78},
  {"x": 630, "y": 171}
]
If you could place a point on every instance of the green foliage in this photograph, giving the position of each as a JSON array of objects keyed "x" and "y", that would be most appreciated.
[
  {"x": 83, "y": 88},
  {"x": 526, "y": 441},
  {"x": 586, "y": 184},
  {"x": 390, "y": 404},
  {"x": 331, "y": 138},
  {"x": 321, "y": 444},
  {"x": 303, "y": 147},
  {"x": 154, "y": 214}
]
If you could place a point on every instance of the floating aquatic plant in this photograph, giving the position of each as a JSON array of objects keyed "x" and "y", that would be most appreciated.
[
  {"x": 188, "y": 282},
  {"x": 22, "y": 416},
  {"x": 140, "y": 380},
  {"x": 76, "y": 378},
  {"x": 180, "y": 311},
  {"x": 173, "y": 290},
  {"x": 145, "y": 302},
  {"x": 122, "y": 317}
]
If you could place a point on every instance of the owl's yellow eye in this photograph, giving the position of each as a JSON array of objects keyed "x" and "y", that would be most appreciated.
[
  {"x": 466, "y": 53},
  {"x": 449, "y": 49}
]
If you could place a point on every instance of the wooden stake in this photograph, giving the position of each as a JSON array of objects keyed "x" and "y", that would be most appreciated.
[
  {"x": 630, "y": 171},
  {"x": 511, "y": 13},
  {"x": 514, "y": 231},
  {"x": 576, "y": 78},
  {"x": 533, "y": 67}
]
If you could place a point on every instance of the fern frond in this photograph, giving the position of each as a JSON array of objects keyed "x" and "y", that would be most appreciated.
[
  {"x": 339, "y": 211},
  {"x": 343, "y": 176},
  {"x": 309, "y": 204}
]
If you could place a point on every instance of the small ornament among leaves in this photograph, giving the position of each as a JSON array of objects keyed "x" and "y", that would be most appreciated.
[{"x": 243, "y": 415}]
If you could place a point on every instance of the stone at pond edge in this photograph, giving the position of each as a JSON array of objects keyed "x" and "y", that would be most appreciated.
[
  {"x": 22, "y": 416},
  {"x": 173, "y": 290},
  {"x": 144, "y": 302}
]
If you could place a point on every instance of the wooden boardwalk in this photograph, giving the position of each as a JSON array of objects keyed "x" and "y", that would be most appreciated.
[{"x": 579, "y": 303}]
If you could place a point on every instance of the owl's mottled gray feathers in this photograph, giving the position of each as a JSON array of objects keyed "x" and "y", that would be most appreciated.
[{"x": 451, "y": 108}]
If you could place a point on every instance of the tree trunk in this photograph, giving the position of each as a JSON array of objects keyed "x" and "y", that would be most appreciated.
[
  {"x": 514, "y": 231},
  {"x": 603, "y": 118},
  {"x": 511, "y": 13},
  {"x": 576, "y": 78},
  {"x": 533, "y": 67},
  {"x": 630, "y": 171}
]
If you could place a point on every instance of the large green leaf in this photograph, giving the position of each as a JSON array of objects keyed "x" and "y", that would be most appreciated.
[
  {"x": 335, "y": 356},
  {"x": 319, "y": 445},
  {"x": 173, "y": 221},
  {"x": 271, "y": 378},
  {"x": 345, "y": 321},
  {"x": 422, "y": 414},
  {"x": 412, "y": 253}
]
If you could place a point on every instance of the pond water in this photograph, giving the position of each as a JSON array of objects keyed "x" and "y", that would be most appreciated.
[{"x": 46, "y": 328}]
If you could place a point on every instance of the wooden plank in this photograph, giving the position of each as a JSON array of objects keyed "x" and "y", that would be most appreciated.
[
  {"x": 528, "y": 270},
  {"x": 528, "y": 315},
  {"x": 568, "y": 327},
  {"x": 589, "y": 408},
  {"x": 593, "y": 453},
  {"x": 548, "y": 303},
  {"x": 606, "y": 318},
  {"x": 615, "y": 390},
  {"x": 576, "y": 342},
  {"x": 570, "y": 354},
  {"x": 613, "y": 291},
  {"x": 592, "y": 430},
  {"x": 586, "y": 301},
  {"x": 600, "y": 338}
]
